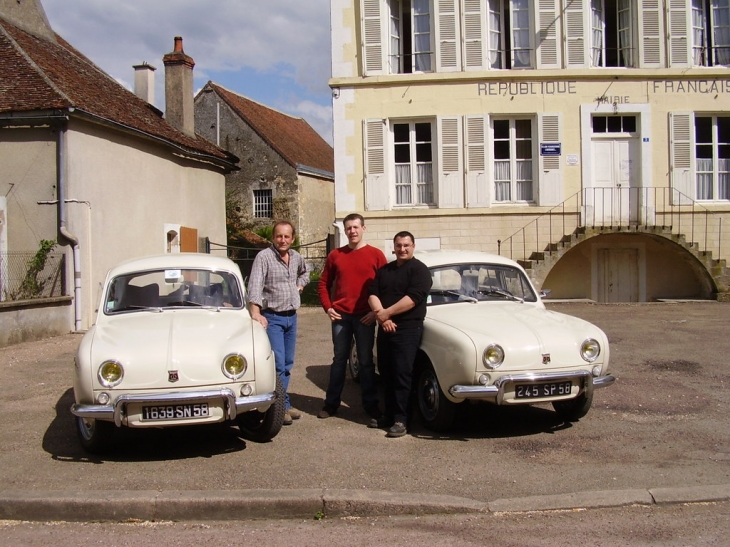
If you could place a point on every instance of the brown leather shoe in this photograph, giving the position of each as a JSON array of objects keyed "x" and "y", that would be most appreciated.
[
  {"x": 326, "y": 412},
  {"x": 295, "y": 414}
]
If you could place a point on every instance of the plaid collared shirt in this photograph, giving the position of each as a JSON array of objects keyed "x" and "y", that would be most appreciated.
[{"x": 274, "y": 285}]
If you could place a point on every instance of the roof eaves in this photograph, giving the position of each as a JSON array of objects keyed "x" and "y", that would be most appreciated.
[
  {"x": 305, "y": 169},
  {"x": 226, "y": 164}
]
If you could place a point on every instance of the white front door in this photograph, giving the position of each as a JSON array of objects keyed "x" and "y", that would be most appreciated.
[{"x": 612, "y": 198}]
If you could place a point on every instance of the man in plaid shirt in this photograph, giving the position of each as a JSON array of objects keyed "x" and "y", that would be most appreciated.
[{"x": 278, "y": 277}]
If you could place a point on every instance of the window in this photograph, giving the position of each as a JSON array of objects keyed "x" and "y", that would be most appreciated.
[
  {"x": 612, "y": 35},
  {"x": 614, "y": 124},
  {"x": 711, "y": 32},
  {"x": 508, "y": 28},
  {"x": 712, "y": 157},
  {"x": 262, "y": 204},
  {"x": 512, "y": 153},
  {"x": 413, "y": 154},
  {"x": 410, "y": 36}
]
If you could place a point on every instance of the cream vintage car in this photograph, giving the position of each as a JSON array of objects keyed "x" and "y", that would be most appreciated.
[
  {"x": 173, "y": 344},
  {"x": 488, "y": 337}
]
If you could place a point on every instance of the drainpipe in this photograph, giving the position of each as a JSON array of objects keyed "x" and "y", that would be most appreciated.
[{"x": 62, "y": 224}]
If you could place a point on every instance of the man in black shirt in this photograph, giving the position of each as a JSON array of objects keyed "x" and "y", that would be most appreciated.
[{"x": 398, "y": 298}]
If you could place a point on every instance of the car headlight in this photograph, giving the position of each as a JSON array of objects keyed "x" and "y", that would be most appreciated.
[
  {"x": 493, "y": 356},
  {"x": 590, "y": 350},
  {"x": 234, "y": 366},
  {"x": 110, "y": 373}
]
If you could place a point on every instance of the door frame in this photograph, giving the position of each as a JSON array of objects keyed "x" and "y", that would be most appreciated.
[
  {"x": 643, "y": 148},
  {"x": 641, "y": 266}
]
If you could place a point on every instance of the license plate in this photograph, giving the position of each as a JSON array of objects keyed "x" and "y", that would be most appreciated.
[
  {"x": 175, "y": 412},
  {"x": 554, "y": 389}
]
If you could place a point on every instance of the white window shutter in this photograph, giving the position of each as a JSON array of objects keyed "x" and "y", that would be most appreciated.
[
  {"x": 680, "y": 45},
  {"x": 374, "y": 46},
  {"x": 680, "y": 157},
  {"x": 577, "y": 43},
  {"x": 549, "y": 177},
  {"x": 476, "y": 130},
  {"x": 475, "y": 41},
  {"x": 548, "y": 45},
  {"x": 450, "y": 169},
  {"x": 448, "y": 57},
  {"x": 650, "y": 30},
  {"x": 376, "y": 179}
]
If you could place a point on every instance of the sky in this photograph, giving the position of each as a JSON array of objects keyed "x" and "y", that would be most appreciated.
[{"x": 276, "y": 52}]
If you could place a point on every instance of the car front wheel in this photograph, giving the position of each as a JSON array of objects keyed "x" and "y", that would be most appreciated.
[
  {"x": 261, "y": 427},
  {"x": 436, "y": 411},
  {"x": 95, "y": 435},
  {"x": 574, "y": 409}
]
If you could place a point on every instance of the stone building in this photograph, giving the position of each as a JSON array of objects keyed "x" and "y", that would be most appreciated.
[{"x": 286, "y": 168}]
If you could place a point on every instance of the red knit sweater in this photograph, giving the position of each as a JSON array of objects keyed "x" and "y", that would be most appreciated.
[{"x": 346, "y": 277}]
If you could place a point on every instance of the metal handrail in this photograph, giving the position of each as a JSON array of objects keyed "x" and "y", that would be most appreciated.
[{"x": 619, "y": 209}]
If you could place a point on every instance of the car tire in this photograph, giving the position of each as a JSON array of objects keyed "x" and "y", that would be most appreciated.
[
  {"x": 436, "y": 411},
  {"x": 261, "y": 427},
  {"x": 95, "y": 435},
  {"x": 574, "y": 409},
  {"x": 353, "y": 364}
]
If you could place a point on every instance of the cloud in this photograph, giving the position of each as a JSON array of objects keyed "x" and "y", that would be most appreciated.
[{"x": 289, "y": 39}]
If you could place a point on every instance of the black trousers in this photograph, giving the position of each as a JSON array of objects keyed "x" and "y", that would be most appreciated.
[{"x": 396, "y": 357}]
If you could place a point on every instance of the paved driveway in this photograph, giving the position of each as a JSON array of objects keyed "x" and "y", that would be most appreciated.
[{"x": 664, "y": 423}]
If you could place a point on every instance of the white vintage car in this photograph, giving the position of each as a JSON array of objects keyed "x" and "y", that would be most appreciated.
[
  {"x": 174, "y": 344},
  {"x": 488, "y": 337}
]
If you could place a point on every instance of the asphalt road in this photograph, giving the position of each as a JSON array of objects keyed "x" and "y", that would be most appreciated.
[{"x": 664, "y": 423}]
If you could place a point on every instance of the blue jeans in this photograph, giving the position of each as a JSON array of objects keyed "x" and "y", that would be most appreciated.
[
  {"x": 396, "y": 356},
  {"x": 282, "y": 332},
  {"x": 342, "y": 332}
]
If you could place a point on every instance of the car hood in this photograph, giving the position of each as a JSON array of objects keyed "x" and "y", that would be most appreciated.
[
  {"x": 191, "y": 342},
  {"x": 527, "y": 333}
]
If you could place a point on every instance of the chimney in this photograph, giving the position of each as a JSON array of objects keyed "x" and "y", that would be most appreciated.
[
  {"x": 179, "y": 89},
  {"x": 28, "y": 15},
  {"x": 144, "y": 82}
]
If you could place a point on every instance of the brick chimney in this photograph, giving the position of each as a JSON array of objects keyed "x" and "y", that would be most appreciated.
[
  {"x": 144, "y": 82},
  {"x": 179, "y": 89}
]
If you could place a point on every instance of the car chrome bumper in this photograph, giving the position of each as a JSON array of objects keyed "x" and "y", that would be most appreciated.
[
  {"x": 116, "y": 412},
  {"x": 495, "y": 393}
]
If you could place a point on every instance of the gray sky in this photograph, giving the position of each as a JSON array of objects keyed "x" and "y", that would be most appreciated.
[{"x": 276, "y": 52}]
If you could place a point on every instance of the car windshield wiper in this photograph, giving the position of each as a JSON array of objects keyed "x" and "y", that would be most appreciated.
[
  {"x": 461, "y": 296},
  {"x": 502, "y": 292},
  {"x": 156, "y": 309}
]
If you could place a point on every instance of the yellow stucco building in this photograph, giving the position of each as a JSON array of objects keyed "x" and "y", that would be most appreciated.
[{"x": 589, "y": 139}]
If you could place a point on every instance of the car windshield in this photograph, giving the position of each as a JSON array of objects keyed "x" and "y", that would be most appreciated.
[
  {"x": 478, "y": 282},
  {"x": 172, "y": 288}
]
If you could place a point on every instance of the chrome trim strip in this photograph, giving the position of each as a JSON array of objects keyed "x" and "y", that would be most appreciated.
[
  {"x": 232, "y": 404},
  {"x": 603, "y": 381},
  {"x": 495, "y": 393}
]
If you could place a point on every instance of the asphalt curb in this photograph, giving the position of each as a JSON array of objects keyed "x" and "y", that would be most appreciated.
[{"x": 310, "y": 503}]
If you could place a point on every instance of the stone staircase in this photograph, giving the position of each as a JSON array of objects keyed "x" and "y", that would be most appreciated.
[{"x": 539, "y": 263}]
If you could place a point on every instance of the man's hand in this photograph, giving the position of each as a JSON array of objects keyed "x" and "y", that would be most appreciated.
[
  {"x": 368, "y": 318},
  {"x": 388, "y": 326},
  {"x": 333, "y": 315},
  {"x": 382, "y": 315},
  {"x": 261, "y": 319}
]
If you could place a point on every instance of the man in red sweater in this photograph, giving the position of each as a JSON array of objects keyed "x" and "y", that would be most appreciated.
[{"x": 350, "y": 270}]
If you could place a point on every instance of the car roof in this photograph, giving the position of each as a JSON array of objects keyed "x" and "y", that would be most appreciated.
[
  {"x": 175, "y": 261},
  {"x": 445, "y": 257}
]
